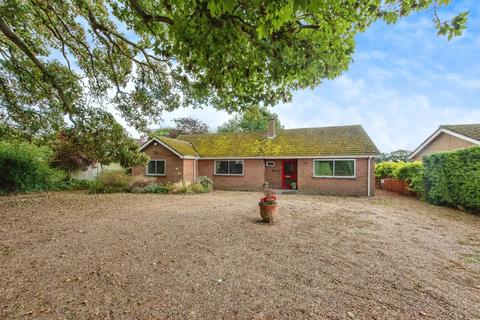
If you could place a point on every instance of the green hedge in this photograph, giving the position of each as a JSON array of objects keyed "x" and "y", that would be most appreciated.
[
  {"x": 410, "y": 172},
  {"x": 453, "y": 178},
  {"x": 25, "y": 168}
]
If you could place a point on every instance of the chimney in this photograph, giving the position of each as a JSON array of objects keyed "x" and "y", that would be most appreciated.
[{"x": 271, "y": 128}]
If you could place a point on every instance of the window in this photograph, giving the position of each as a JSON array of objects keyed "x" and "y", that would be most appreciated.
[
  {"x": 156, "y": 168},
  {"x": 334, "y": 168},
  {"x": 270, "y": 164},
  {"x": 229, "y": 167}
]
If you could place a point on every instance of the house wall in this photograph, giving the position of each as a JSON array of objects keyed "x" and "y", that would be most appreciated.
[
  {"x": 188, "y": 170},
  {"x": 252, "y": 179},
  {"x": 443, "y": 142},
  {"x": 343, "y": 186},
  {"x": 273, "y": 175},
  {"x": 174, "y": 165}
]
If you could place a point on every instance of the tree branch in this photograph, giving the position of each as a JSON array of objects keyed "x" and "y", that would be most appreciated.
[{"x": 5, "y": 29}]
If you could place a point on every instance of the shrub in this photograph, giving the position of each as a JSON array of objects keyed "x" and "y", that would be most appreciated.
[
  {"x": 197, "y": 187},
  {"x": 140, "y": 182},
  {"x": 181, "y": 187},
  {"x": 152, "y": 188},
  {"x": 453, "y": 178},
  {"x": 110, "y": 182},
  {"x": 73, "y": 184},
  {"x": 412, "y": 173},
  {"x": 25, "y": 168},
  {"x": 206, "y": 183},
  {"x": 386, "y": 169}
]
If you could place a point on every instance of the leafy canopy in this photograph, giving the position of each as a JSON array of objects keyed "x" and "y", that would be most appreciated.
[
  {"x": 250, "y": 120},
  {"x": 186, "y": 125},
  {"x": 144, "y": 57}
]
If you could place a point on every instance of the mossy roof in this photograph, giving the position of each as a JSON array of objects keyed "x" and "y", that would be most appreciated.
[
  {"x": 325, "y": 141},
  {"x": 468, "y": 130},
  {"x": 184, "y": 148}
]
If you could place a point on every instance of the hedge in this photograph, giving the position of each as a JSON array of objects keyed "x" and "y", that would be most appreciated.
[
  {"x": 453, "y": 178},
  {"x": 410, "y": 172},
  {"x": 25, "y": 168}
]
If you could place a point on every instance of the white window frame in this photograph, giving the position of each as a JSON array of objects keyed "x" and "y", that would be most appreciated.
[
  {"x": 333, "y": 169},
  {"x": 228, "y": 174},
  {"x": 157, "y": 174},
  {"x": 270, "y": 163}
]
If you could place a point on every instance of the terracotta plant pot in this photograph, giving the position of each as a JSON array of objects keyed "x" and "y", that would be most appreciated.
[{"x": 268, "y": 212}]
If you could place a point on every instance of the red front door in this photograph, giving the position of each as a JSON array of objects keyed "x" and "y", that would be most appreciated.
[{"x": 289, "y": 174}]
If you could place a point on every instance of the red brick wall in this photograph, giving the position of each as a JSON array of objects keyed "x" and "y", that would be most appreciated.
[
  {"x": 174, "y": 165},
  {"x": 273, "y": 175},
  {"x": 344, "y": 186},
  {"x": 253, "y": 178},
  {"x": 188, "y": 170}
]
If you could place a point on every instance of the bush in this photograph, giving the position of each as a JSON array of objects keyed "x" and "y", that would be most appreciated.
[
  {"x": 206, "y": 183},
  {"x": 74, "y": 184},
  {"x": 453, "y": 178},
  {"x": 109, "y": 182},
  {"x": 385, "y": 169},
  {"x": 152, "y": 188},
  {"x": 412, "y": 173},
  {"x": 25, "y": 168},
  {"x": 140, "y": 182},
  {"x": 181, "y": 187}
]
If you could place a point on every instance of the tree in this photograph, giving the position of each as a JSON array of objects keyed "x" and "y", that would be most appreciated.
[
  {"x": 252, "y": 119},
  {"x": 98, "y": 140},
  {"x": 186, "y": 125},
  {"x": 395, "y": 156},
  {"x": 144, "y": 57}
]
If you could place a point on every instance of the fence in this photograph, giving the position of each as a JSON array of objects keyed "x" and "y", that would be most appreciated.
[
  {"x": 92, "y": 172},
  {"x": 394, "y": 185}
]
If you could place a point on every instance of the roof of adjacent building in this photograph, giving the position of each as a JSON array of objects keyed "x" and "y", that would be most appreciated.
[
  {"x": 468, "y": 130},
  {"x": 325, "y": 141}
]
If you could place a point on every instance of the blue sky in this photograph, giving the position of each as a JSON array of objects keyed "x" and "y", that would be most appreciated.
[{"x": 405, "y": 81}]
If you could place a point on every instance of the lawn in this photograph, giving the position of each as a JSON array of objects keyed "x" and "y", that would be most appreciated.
[{"x": 126, "y": 256}]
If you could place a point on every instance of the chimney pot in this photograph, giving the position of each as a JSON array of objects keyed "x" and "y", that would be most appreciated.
[{"x": 271, "y": 128}]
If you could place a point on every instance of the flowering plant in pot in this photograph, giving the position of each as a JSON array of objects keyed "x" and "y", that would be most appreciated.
[{"x": 268, "y": 206}]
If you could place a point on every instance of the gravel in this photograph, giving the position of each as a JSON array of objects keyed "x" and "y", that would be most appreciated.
[{"x": 128, "y": 256}]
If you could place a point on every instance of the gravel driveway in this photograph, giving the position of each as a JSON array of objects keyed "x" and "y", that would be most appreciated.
[{"x": 126, "y": 256}]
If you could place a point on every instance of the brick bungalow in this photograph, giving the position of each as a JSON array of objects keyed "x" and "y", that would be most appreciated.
[
  {"x": 331, "y": 160},
  {"x": 448, "y": 138}
]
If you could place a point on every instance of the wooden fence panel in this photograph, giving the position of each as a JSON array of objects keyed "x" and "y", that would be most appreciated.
[{"x": 394, "y": 185}]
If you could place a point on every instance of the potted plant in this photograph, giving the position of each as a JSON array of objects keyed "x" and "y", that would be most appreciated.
[
  {"x": 293, "y": 185},
  {"x": 268, "y": 206}
]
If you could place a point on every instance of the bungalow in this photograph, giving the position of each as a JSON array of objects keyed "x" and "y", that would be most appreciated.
[
  {"x": 333, "y": 160},
  {"x": 447, "y": 138}
]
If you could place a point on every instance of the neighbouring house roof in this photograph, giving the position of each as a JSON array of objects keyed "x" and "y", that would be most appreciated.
[
  {"x": 326, "y": 141},
  {"x": 181, "y": 148},
  {"x": 467, "y": 132},
  {"x": 471, "y": 131}
]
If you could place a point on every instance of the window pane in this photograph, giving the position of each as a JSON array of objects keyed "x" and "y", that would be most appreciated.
[
  {"x": 160, "y": 167},
  {"x": 221, "y": 167},
  {"x": 236, "y": 167},
  {"x": 151, "y": 167},
  {"x": 344, "y": 168},
  {"x": 324, "y": 168}
]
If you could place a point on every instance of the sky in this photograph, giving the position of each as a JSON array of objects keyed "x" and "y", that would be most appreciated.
[{"x": 404, "y": 82}]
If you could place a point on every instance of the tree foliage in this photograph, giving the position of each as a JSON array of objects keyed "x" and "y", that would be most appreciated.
[
  {"x": 98, "y": 140},
  {"x": 144, "y": 57},
  {"x": 250, "y": 120},
  {"x": 186, "y": 125},
  {"x": 396, "y": 156}
]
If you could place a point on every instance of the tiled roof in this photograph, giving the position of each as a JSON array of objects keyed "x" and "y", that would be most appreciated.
[
  {"x": 468, "y": 130},
  {"x": 184, "y": 148},
  {"x": 325, "y": 141}
]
